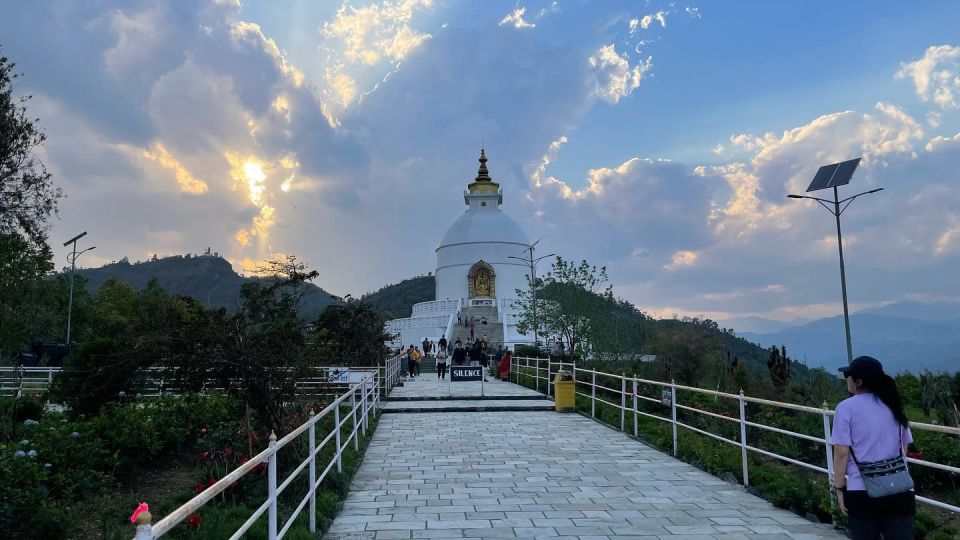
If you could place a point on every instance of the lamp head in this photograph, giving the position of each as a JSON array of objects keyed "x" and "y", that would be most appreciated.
[{"x": 792, "y": 196}]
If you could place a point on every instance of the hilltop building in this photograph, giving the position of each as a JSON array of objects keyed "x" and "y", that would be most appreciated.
[{"x": 476, "y": 278}]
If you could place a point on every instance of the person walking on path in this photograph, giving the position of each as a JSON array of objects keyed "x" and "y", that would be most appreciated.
[
  {"x": 417, "y": 357},
  {"x": 471, "y": 332},
  {"x": 426, "y": 346},
  {"x": 410, "y": 364},
  {"x": 442, "y": 344},
  {"x": 442, "y": 363},
  {"x": 871, "y": 427}
]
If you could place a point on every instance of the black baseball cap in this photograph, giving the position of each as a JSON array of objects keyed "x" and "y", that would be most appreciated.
[{"x": 863, "y": 367}]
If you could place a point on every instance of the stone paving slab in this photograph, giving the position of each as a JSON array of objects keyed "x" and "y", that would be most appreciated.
[
  {"x": 428, "y": 386},
  {"x": 542, "y": 475},
  {"x": 467, "y": 405}
]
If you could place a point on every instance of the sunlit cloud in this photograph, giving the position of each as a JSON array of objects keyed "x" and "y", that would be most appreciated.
[
  {"x": 188, "y": 183},
  {"x": 682, "y": 259},
  {"x": 361, "y": 38},
  {"x": 614, "y": 77},
  {"x": 936, "y": 75},
  {"x": 515, "y": 19}
]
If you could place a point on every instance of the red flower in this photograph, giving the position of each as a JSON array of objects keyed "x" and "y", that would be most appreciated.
[
  {"x": 202, "y": 456},
  {"x": 244, "y": 459},
  {"x": 198, "y": 487},
  {"x": 228, "y": 453},
  {"x": 211, "y": 480},
  {"x": 915, "y": 455},
  {"x": 234, "y": 484},
  {"x": 194, "y": 520},
  {"x": 260, "y": 466}
]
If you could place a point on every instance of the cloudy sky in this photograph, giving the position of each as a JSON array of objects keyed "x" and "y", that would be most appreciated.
[{"x": 659, "y": 139}]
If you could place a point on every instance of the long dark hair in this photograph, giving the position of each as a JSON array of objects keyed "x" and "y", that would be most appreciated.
[{"x": 885, "y": 389}]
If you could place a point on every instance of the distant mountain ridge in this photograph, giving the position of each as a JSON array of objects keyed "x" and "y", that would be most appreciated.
[
  {"x": 905, "y": 336},
  {"x": 208, "y": 279}
]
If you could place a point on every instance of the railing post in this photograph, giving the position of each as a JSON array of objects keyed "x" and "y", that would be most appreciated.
[
  {"x": 536, "y": 374},
  {"x": 313, "y": 473},
  {"x": 363, "y": 403},
  {"x": 673, "y": 414},
  {"x": 353, "y": 413},
  {"x": 144, "y": 528},
  {"x": 549, "y": 376},
  {"x": 593, "y": 395},
  {"x": 743, "y": 440},
  {"x": 829, "y": 449},
  {"x": 336, "y": 429},
  {"x": 272, "y": 489},
  {"x": 623, "y": 402},
  {"x": 636, "y": 426}
]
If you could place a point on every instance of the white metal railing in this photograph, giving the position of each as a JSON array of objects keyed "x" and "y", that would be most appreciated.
[
  {"x": 19, "y": 381},
  {"x": 450, "y": 323},
  {"x": 361, "y": 398},
  {"x": 483, "y": 302},
  {"x": 543, "y": 369}
]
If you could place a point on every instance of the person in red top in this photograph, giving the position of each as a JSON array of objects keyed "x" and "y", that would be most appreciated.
[{"x": 505, "y": 365}]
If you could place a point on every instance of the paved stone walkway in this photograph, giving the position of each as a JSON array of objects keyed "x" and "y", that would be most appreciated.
[
  {"x": 465, "y": 405},
  {"x": 428, "y": 386},
  {"x": 541, "y": 474}
]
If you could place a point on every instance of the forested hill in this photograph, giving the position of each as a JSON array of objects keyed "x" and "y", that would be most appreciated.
[
  {"x": 208, "y": 279},
  {"x": 638, "y": 332},
  {"x": 397, "y": 300}
]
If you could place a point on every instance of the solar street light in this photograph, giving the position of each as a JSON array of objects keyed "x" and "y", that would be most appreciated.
[
  {"x": 833, "y": 176},
  {"x": 72, "y": 257},
  {"x": 532, "y": 264}
]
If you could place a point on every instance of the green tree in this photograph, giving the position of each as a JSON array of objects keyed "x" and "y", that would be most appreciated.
[
  {"x": 682, "y": 349},
  {"x": 22, "y": 266},
  {"x": 570, "y": 301},
  {"x": 27, "y": 199},
  {"x": 265, "y": 354},
  {"x": 349, "y": 334},
  {"x": 27, "y": 193}
]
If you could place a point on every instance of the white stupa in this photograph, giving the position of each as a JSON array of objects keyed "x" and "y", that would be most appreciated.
[{"x": 476, "y": 278}]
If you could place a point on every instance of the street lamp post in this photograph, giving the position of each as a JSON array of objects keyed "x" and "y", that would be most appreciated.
[
  {"x": 834, "y": 208},
  {"x": 73, "y": 268},
  {"x": 532, "y": 263}
]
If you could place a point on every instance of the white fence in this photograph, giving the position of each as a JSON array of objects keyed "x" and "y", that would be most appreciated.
[
  {"x": 542, "y": 371},
  {"x": 21, "y": 381},
  {"x": 362, "y": 398}
]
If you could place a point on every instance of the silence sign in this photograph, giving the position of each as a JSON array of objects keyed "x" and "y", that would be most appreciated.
[{"x": 468, "y": 373}]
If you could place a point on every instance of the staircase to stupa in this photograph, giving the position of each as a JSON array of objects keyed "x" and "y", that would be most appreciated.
[{"x": 485, "y": 322}]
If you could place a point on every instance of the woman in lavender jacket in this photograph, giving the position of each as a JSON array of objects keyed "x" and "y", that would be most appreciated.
[{"x": 871, "y": 423}]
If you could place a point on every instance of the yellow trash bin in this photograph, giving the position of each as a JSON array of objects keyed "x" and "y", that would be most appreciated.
[{"x": 564, "y": 392}]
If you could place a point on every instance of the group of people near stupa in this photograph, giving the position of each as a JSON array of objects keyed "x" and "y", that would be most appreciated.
[{"x": 479, "y": 352}]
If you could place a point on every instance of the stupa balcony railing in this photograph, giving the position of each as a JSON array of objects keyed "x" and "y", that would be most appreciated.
[{"x": 436, "y": 307}]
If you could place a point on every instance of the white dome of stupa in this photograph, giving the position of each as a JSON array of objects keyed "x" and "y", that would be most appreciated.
[
  {"x": 483, "y": 237},
  {"x": 484, "y": 225}
]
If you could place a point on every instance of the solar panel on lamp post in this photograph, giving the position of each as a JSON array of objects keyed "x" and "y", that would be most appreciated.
[{"x": 833, "y": 176}]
